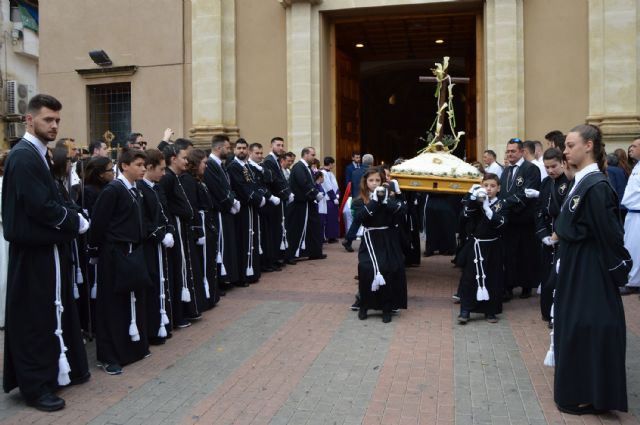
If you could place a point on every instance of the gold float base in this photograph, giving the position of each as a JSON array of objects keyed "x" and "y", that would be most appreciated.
[{"x": 434, "y": 184}]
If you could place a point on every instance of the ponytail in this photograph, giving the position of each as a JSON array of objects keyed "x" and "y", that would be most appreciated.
[{"x": 592, "y": 132}]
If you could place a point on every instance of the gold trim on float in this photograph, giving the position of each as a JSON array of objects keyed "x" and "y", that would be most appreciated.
[{"x": 435, "y": 184}]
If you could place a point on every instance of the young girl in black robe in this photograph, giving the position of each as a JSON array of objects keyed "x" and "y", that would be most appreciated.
[
  {"x": 589, "y": 325},
  {"x": 158, "y": 238},
  {"x": 116, "y": 232},
  {"x": 481, "y": 283},
  {"x": 381, "y": 275}
]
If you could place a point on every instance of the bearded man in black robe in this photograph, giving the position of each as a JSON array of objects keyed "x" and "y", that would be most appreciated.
[{"x": 43, "y": 347}]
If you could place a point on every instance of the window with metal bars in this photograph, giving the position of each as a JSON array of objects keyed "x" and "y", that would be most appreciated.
[{"x": 110, "y": 111}]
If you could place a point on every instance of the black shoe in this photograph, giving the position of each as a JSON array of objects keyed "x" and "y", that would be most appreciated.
[
  {"x": 456, "y": 299},
  {"x": 427, "y": 254},
  {"x": 194, "y": 318},
  {"x": 526, "y": 293},
  {"x": 491, "y": 318},
  {"x": 580, "y": 410},
  {"x": 290, "y": 262},
  {"x": 47, "y": 403},
  {"x": 508, "y": 295},
  {"x": 241, "y": 285},
  {"x": 81, "y": 379},
  {"x": 628, "y": 290},
  {"x": 277, "y": 268},
  {"x": 362, "y": 314},
  {"x": 183, "y": 324},
  {"x": 267, "y": 270},
  {"x": 111, "y": 369},
  {"x": 222, "y": 292},
  {"x": 356, "y": 305},
  {"x": 463, "y": 318},
  {"x": 386, "y": 317},
  {"x": 318, "y": 257},
  {"x": 157, "y": 341},
  {"x": 332, "y": 240},
  {"x": 347, "y": 246}
]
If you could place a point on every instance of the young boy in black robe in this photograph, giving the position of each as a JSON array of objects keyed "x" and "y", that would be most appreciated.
[
  {"x": 481, "y": 283},
  {"x": 158, "y": 238},
  {"x": 116, "y": 236},
  {"x": 551, "y": 195}
]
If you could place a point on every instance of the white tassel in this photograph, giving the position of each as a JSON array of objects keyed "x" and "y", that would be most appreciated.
[
  {"x": 539, "y": 291},
  {"x": 94, "y": 287},
  {"x": 133, "y": 327},
  {"x": 249, "y": 271},
  {"x": 551, "y": 313},
  {"x": 164, "y": 317},
  {"x": 162, "y": 332},
  {"x": 479, "y": 293},
  {"x": 76, "y": 292},
  {"x": 223, "y": 270},
  {"x": 79, "y": 278},
  {"x": 485, "y": 294},
  {"x": 186, "y": 296},
  {"x": 260, "y": 249},
  {"x": 303, "y": 246},
  {"x": 206, "y": 288},
  {"x": 63, "y": 370},
  {"x": 378, "y": 281},
  {"x": 297, "y": 253},
  {"x": 94, "y": 291},
  {"x": 549, "y": 359},
  {"x": 282, "y": 247},
  {"x": 219, "y": 258}
]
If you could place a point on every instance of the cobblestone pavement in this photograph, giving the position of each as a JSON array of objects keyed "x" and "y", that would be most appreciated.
[{"x": 288, "y": 351}]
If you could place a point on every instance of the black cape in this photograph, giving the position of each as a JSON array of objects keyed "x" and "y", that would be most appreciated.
[
  {"x": 34, "y": 220},
  {"x": 304, "y": 229},
  {"x": 441, "y": 221},
  {"x": 275, "y": 227},
  {"x": 589, "y": 323}
]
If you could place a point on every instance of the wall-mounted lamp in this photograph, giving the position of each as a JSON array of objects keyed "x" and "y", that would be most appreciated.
[{"x": 100, "y": 58}]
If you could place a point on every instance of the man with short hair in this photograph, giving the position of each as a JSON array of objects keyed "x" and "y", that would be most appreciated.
[
  {"x": 522, "y": 259},
  {"x": 631, "y": 201},
  {"x": 530, "y": 155},
  {"x": 354, "y": 165},
  {"x": 291, "y": 158},
  {"x": 43, "y": 346},
  {"x": 304, "y": 229},
  {"x": 98, "y": 148},
  {"x": 555, "y": 139},
  {"x": 490, "y": 163},
  {"x": 136, "y": 141}
]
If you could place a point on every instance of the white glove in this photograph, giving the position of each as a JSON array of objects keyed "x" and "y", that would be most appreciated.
[
  {"x": 168, "y": 241},
  {"x": 263, "y": 201},
  {"x": 374, "y": 195},
  {"x": 319, "y": 196},
  {"x": 386, "y": 196},
  {"x": 235, "y": 210},
  {"x": 487, "y": 209},
  {"x": 236, "y": 205},
  {"x": 84, "y": 224},
  {"x": 474, "y": 193},
  {"x": 474, "y": 187},
  {"x": 274, "y": 200},
  {"x": 337, "y": 196},
  {"x": 481, "y": 193},
  {"x": 531, "y": 193},
  {"x": 201, "y": 241},
  {"x": 291, "y": 197},
  {"x": 395, "y": 186},
  {"x": 93, "y": 261},
  {"x": 548, "y": 241},
  {"x": 336, "y": 201}
]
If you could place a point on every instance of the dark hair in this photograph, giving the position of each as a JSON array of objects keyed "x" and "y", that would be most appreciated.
[
  {"x": 40, "y": 101},
  {"x": 623, "y": 161},
  {"x": 306, "y": 150},
  {"x": 364, "y": 190},
  {"x": 154, "y": 157},
  {"x": 530, "y": 146},
  {"x": 557, "y": 138},
  {"x": 218, "y": 139},
  {"x": 241, "y": 141},
  {"x": 59, "y": 158},
  {"x": 277, "y": 139},
  {"x": 329, "y": 160},
  {"x": 95, "y": 167},
  {"x": 354, "y": 154},
  {"x": 290, "y": 155},
  {"x": 612, "y": 160},
  {"x": 183, "y": 143},
  {"x": 552, "y": 153},
  {"x": 194, "y": 159},
  {"x": 515, "y": 141},
  {"x": 81, "y": 166},
  {"x": 170, "y": 151},
  {"x": 131, "y": 138},
  {"x": 317, "y": 175},
  {"x": 96, "y": 144},
  {"x": 591, "y": 132},
  {"x": 128, "y": 155},
  {"x": 253, "y": 146},
  {"x": 492, "y": 153},
  {"x": 491, "y": 176}
]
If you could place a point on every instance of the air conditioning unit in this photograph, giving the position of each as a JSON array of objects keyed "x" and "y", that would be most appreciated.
[
  {"x": 18, "y": 95},
  {"x": 15, "y": 130}
]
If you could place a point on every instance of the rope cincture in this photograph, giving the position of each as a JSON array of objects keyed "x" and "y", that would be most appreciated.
[
  {"x": 133, "y": 327},
  {"x": 205, "y": 281},
  {"x": 78, "y": 272},
  {"x": 164, "y": 319},
  {"x": 249, "y": 270},
  {"x": 220, "y": 256},
  {"x": 481, "y": 294},
  {"x": 63, "y": 364},
  {"x": 549, "y": 359},
  {"x": 378, "y": 279},
  {"x": 283, "y": 243},
  {"x": 185, "y": 296},
  {"x": 301, "y": 244}
]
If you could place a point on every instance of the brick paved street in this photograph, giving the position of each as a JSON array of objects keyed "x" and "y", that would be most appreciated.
[{"x": 289, "y": 351}]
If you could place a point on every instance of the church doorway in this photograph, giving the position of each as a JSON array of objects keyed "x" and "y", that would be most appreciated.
[{"x": 380, "y": 106}]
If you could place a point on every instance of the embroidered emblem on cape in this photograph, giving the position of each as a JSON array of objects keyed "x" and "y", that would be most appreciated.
[
  {"x": 562, "y": 189},
  {"x": 519, "y": 181},
  {"x": 573, "y": 203},
  {"x": 497, "y": 207}
]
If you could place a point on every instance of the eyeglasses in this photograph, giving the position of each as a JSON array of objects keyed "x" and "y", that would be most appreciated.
[{"x": 143, "y": 143}]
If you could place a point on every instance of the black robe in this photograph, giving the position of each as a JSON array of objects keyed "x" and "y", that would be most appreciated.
[
  {"x": 263, "y": 178},
  {"x": 440, "y": 222},
  {"x": 116, "y": 224},
  {"x": 207, "y": 253},
  {"x": 219, "y": 185},
  {"x": 250, "y": 196},
  {"x": 410, "y": 228},
  {"x": 482, "y": 258},
  {"x": 36, "y": 221},
  {"x": 156, "y": 226},
  {"x": 380, "y": 252},
  {"x": 552, "y": 193},
  {"x": 589, "y": 323},
  {"x": 523, "y": 254},
  {"x": 275, "y": 222},
  {"x": 304, "y": 229}
]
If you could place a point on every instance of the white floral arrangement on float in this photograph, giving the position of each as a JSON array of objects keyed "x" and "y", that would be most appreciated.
[{"x": 435, "y": 159}]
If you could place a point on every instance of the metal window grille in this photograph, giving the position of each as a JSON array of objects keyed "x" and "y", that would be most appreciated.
[{"x": 110, "y": 110}]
